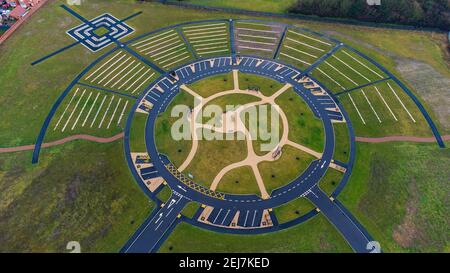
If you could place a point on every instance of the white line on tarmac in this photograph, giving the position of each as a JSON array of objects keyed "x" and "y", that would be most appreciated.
[
  {"x": 354, "y": 70},
  {"x": 162, "y": 47},
  {"x": 166, "y": 41}
]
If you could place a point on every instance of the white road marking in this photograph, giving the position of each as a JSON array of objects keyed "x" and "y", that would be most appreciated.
[
  {"x": 140, "y": 77},
  {"x": 165, "y": 51},
  {"x": 352, "y": 81},
  {"x": 257, "y": 30},
  {"x": 256, "y": 42},
  {"x": 166, "y": 41},
  {"x": 148, "y": 39},
  {"x": 159, "y": 48},
  {"x": 126, "y": 74},
  {"x": 200, "y": 26},
  {"x": 142, "y": 83},
  {"x": 255, "y": 48},
  {"x": 203, "y": 29},
  {"x": 193, "y": 35},
  {"x": 321, "y": 71},
  {"x": 209, "y": 40},
  {"x": 256, "y": 36},
  {"x": 214, "y": 51},
  {"x": 177, "y": 61},
  {"x": 157, "y": 40},
  {"x": 130, "y": 78},
  {"x": 171, "y": 53}
]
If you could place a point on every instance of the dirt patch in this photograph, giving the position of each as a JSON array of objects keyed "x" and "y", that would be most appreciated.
[{"x": 408, "y": 232}]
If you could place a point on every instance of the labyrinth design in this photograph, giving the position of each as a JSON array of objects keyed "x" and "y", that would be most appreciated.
[{"x": 134, "y": 83}]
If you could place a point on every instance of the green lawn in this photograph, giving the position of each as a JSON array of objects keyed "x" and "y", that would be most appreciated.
[
  {"x": 212, "y": 156},
  {"x": 69, "y": 196},
  {"x": 386, "y": 124},
  {"x": 190, "y": 209},
  {"x": 137, "y": 133},
  {"x": 399, "y": 192},
  {"x": 279, "y": 6},
  {"x": 176, "y": 150},
  {"x": 330, "y": 181},
  {"x": 282, "y": 171},
  {"x": 341, "y": 142},
  {"x": 213, "y": 84},
  {"x": 266, "y": 86},
  {"x": 239, "y": 181},
  {"x": 293, "y": 209},
  {"x": 164, "y": 194},
  {"x": 304, "y": 127},
  {"x": 316, "y": 235}
]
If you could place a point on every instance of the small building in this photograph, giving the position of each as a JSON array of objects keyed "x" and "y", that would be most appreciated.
[{"x": 18, "y": 12}]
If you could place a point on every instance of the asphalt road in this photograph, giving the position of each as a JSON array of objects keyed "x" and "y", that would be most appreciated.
[{"x": 149, "y": 234}]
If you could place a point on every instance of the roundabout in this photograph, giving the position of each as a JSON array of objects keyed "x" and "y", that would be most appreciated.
[{"x": 302, "y": 75}]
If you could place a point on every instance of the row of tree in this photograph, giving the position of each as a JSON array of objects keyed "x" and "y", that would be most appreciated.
[{"x": 421, "y": 13}]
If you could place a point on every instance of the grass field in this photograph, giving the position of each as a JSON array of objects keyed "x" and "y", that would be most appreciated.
[
  {"x": 177, "y": 151},
  {"x": 137, "y": 133},
  {"x": 239, "y": 181},
  {"x": 213, "y": 84},
  {"x": 381, "y": 111},
  {"x": 330, "y": 181},
  {"x": 212, "y": 156},
  {"x": 316, "y": 235},
  {"x": 266, "y": 86},
  {"x": 341, "y": 142},
  {"x": 282, "y": 171},
  {"x": 69, "y": 196},
  {"x": 399, "y": 193},
  {"x": 279, "y": 6},
  {"x": 293, "y": 209},
  {"x": 304, "y": 127},
  {"x": 388, "y": 181}
]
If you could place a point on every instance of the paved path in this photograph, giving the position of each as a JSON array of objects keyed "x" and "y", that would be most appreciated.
[
  {"x": 148, "y": 237},
  {"x": 62, "y": 141},
  {"x": 347, "y": 225},
  {"x": 400, "y": 138}
]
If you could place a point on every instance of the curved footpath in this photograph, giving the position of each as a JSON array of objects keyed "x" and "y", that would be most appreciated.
[{"x": 64, "y": 140}]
